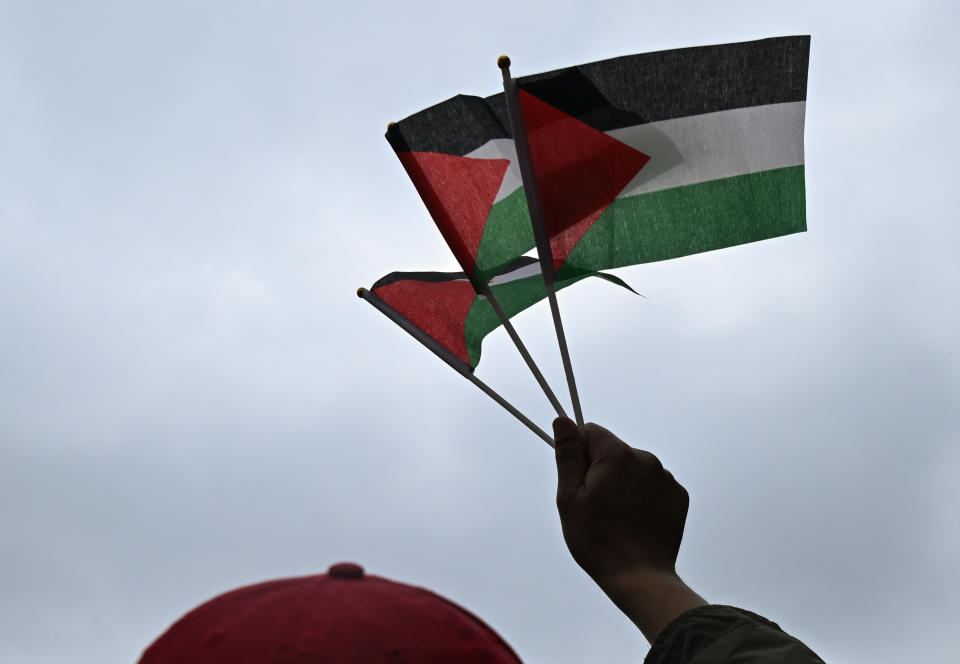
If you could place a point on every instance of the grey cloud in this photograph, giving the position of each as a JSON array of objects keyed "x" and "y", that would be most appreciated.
[{"x": 193, "y": 398}]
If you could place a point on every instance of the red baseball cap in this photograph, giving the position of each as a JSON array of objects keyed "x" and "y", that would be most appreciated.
[{"x": 341, "y": 616}]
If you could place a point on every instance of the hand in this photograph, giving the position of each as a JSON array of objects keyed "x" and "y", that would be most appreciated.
[{"x": 622, "y": 515}]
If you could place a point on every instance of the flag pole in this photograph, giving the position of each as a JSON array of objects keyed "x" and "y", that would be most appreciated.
[
  {"x": 452, "y": 360},
  {"x": 534, "y": 205},
  {"x": 524, "y": 353}
]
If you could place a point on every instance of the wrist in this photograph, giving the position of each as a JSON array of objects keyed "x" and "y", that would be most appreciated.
[{"x": 650, "y": 596}]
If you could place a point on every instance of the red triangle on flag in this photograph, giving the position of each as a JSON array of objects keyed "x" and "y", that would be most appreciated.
[
  {"x": 579, "y": 170},
  {"x": 438, "y": 308},
  {"x": 458, "y": 192}
]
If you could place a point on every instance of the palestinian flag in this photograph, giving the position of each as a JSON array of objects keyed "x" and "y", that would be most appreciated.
[
  {"x": 640, "y": 158},
  {"x": 461, "y": 158},
  {"x": 450, "y": 317}
]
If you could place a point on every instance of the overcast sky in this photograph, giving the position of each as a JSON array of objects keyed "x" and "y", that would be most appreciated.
[{"x": 192, "y": 398}]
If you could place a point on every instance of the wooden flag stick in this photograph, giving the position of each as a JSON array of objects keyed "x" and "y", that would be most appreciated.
[
  {"x": 524, "y": 353},
  {"x": 455, "y": 362},
  {"x": 534, "y": 205}
]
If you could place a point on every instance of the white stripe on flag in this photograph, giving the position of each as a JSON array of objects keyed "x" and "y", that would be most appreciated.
[
  {"x": 501, "y": 148},
  {"x": 521, "y": 272},
  {"x": 714, "y": 146},
  {"x": 693, "y": 149}
]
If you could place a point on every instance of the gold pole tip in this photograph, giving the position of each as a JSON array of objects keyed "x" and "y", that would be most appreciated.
[
  {"x": 360, "y": 291},
  {"x": 503, "y": 61},
  {"x": 391, "y": 125}
]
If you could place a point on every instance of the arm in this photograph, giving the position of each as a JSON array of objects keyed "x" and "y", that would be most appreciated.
[{"x": 623, "y": 515}]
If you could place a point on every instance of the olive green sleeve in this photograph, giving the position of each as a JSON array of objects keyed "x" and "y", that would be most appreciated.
[{"x": 716, "y": 634}]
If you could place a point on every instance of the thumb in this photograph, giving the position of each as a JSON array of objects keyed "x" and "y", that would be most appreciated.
[{"x": 571, "y": 453}]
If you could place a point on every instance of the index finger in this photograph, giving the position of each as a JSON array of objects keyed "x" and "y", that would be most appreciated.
[{"x": 601, "y": 442}]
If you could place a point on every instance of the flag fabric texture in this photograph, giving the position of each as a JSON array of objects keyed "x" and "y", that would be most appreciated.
[
  {"x": 460, "y": 156},
  {"x": 445, "y": 306},
  {"x": 640, "y": 158}
]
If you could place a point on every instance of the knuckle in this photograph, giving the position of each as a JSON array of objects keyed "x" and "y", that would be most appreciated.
[
  {"x": 647, "y": 461},
  {"x": 592, "y": 430},
  {"x": 595, "y": 431}
]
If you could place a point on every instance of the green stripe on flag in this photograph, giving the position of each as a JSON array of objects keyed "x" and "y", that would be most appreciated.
[
  {"x": 507, "y": 234},
  {"x": 687, "y": 220},
  {"x": 514, "y": 296}
]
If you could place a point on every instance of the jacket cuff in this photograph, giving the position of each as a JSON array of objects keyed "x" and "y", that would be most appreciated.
[{"x": 723, "y": 628}]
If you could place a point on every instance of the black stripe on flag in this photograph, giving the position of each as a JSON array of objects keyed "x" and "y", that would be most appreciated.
[
  {"x": 394, "y": 277},
  {"x": 431, "y": 277},
  {"x": 623, "y": 92},
  {"x": 649, "y": 87},
  {"x": 457, "y": 126}
]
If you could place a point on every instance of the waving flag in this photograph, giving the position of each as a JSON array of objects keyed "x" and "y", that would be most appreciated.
[
  {"x": 460, "y": 156},
  {"x": 640, "y": 158},
  {"x": 445, "y": 307}
]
